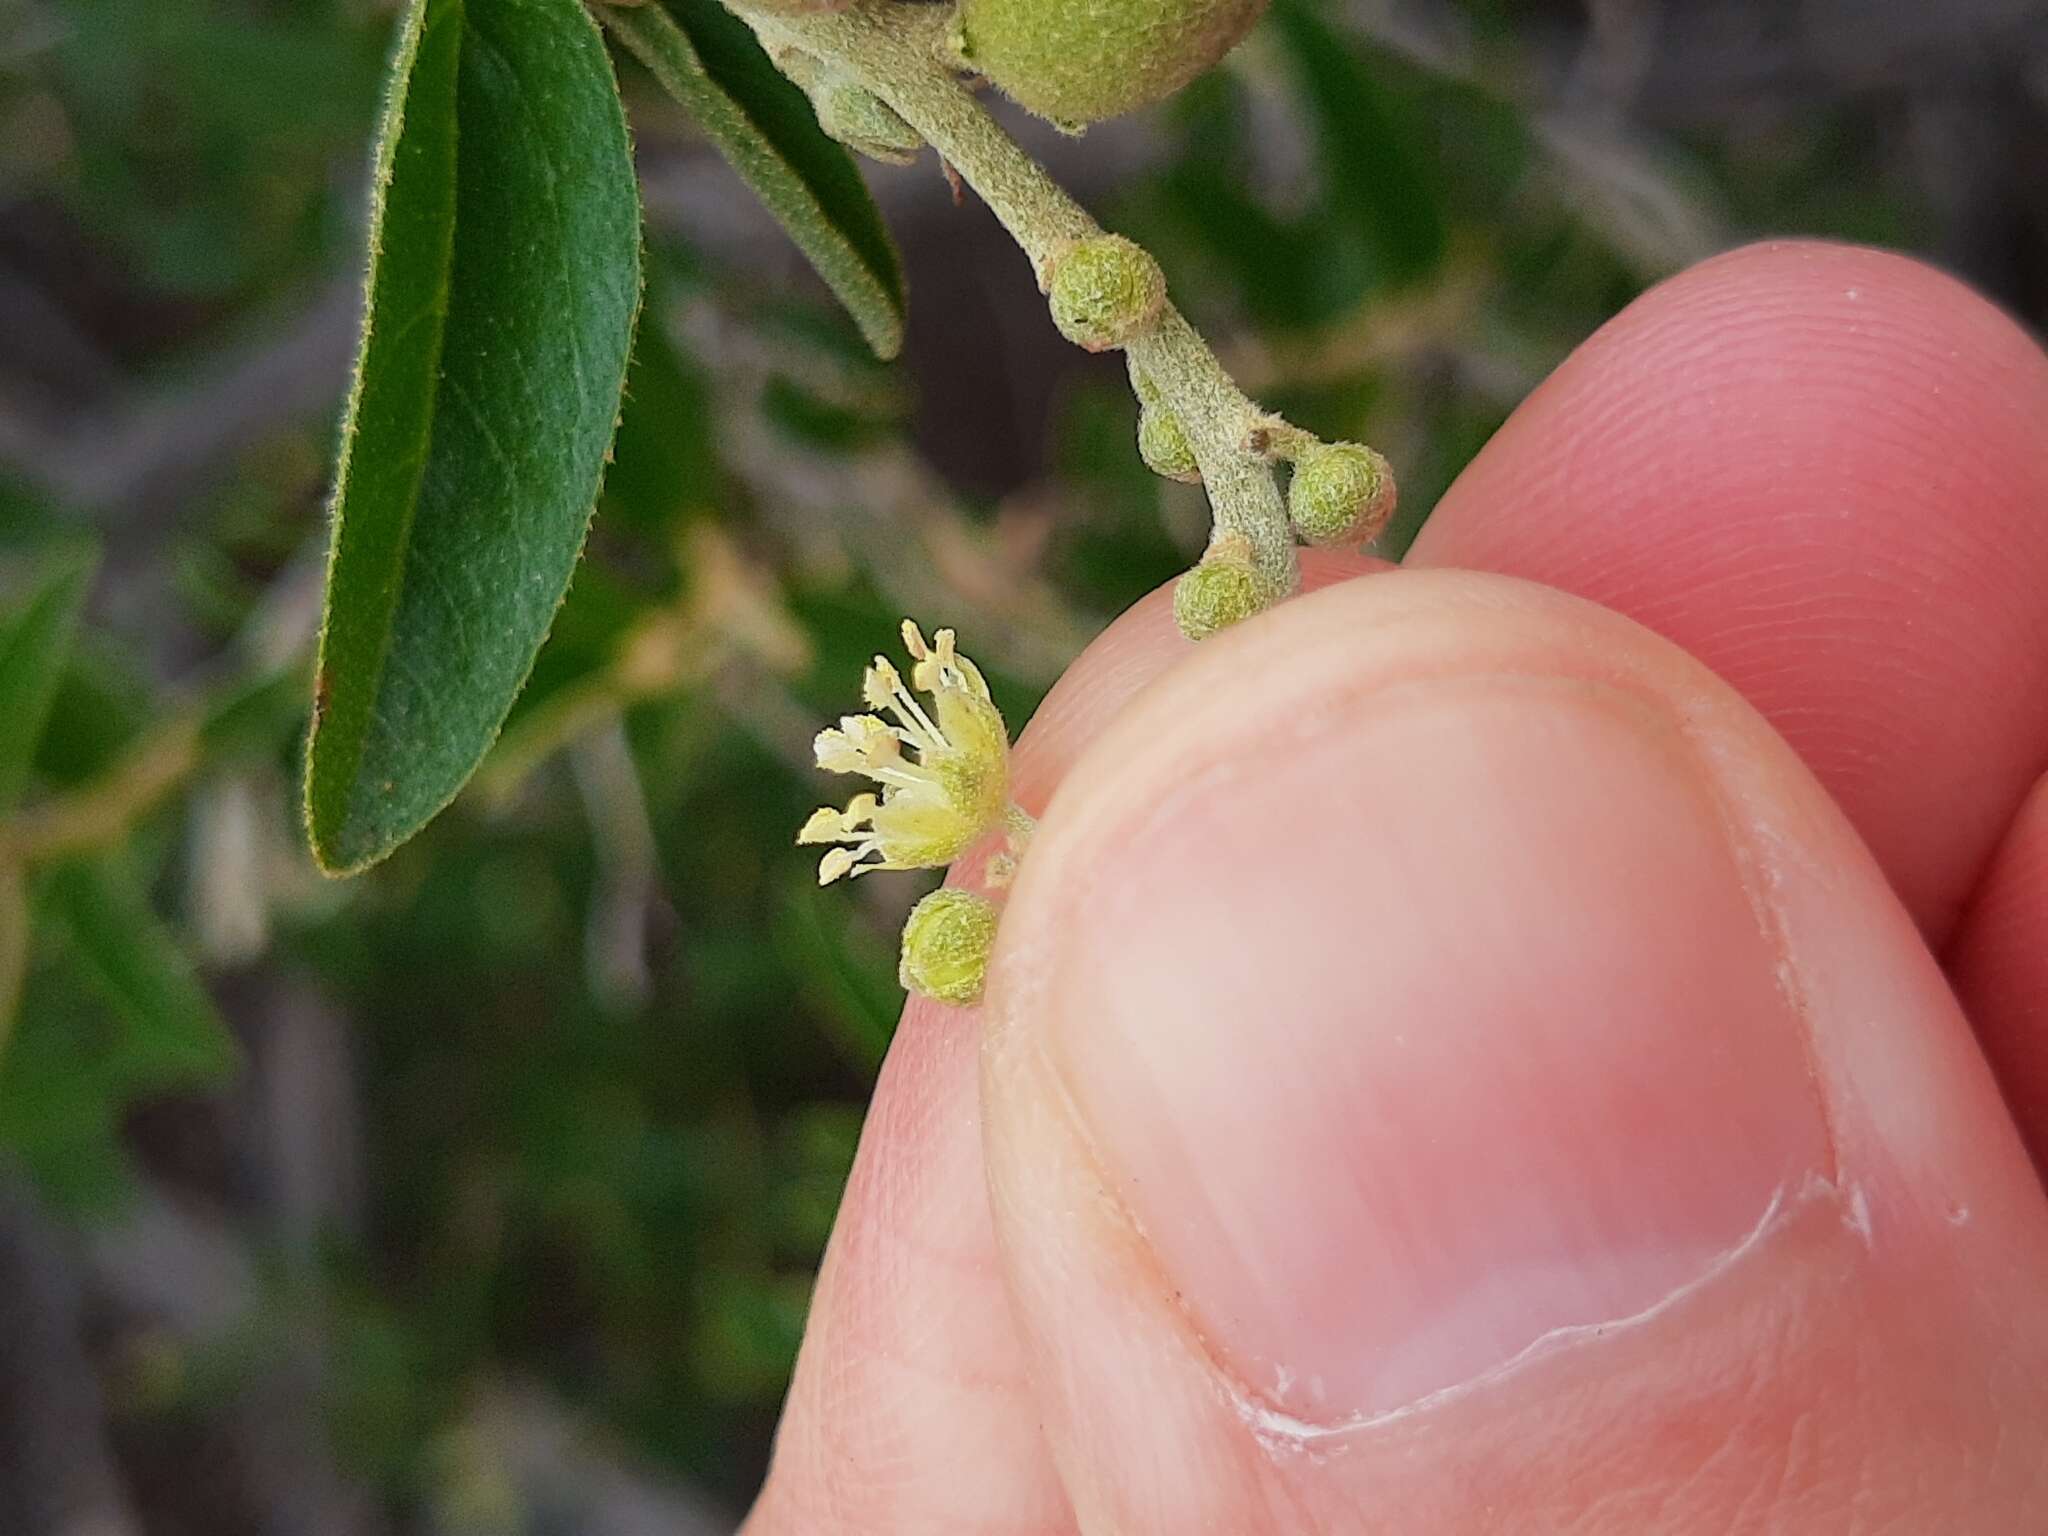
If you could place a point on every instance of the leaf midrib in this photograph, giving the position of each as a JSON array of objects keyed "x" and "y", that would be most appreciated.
[{"x": 454, "y": 14}]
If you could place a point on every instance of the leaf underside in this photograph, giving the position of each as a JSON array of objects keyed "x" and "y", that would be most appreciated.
[
  {"x": 171, "y": 1035},
  {"x": 504, "y": 283},
  {"x": 763, "y": 125}
]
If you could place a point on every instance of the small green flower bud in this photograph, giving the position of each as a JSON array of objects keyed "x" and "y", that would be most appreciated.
[
  {"x": 862, "y": 121},
  {"x": 1105, "y": 292},
  {"x": 1163, "y": 445},
  {"x": 1079, "y": 61},
  {"x": 946, "y": 945},
  {"x": 1216, "y": 594},
  {"x": 1342, "y": 493}
]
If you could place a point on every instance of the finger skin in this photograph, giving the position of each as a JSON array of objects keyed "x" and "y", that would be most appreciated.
[
  {"x": 1823, "y": 471},
  {"x": 909, "y": 1411},
  {"x": 1608, "y": 482},
  {"x": 1999, "y": 961},
  {"x": 1872, "y": 1357}
]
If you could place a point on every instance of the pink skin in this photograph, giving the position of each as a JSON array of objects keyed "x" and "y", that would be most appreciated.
[{"x": 1607, "y": 1018}]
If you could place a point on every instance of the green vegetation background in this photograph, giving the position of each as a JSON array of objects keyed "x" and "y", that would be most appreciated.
[{"x": 484, "y": 1193}]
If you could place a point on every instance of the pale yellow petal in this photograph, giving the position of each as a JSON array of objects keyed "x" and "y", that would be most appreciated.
[
  {"x": 881, "y": 686},
  {"x": 825, "y": 826},
  {"x": 835, "y": 754}
]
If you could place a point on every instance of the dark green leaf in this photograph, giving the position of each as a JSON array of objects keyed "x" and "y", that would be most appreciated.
[
  {"x": 822, "y": 424},
  {"x": 34, "y": 645},
  {"x": 1370, "y": 170},
  {"x": 171, "y": 1035},
  {"x": 845, "y": 973},
  {"x": 707, "y": 59},
  {"x": 748, "y": 1327},
  {"x": 256, "y": 715},
  {"x": 501, "y": 308}
]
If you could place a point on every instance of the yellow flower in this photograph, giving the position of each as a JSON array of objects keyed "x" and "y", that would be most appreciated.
[{"x": 944, "y": 775}]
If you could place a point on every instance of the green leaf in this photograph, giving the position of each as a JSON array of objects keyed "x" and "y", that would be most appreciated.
[
  {"x": 845, "y": 974},
  {"x": 707, "y": 59},
  {"x": 1370, "y": 169},
  {"x": 503, "y": 288},
  {"x": 34, "y": 645},
  {"x": 171, "y": 1035}
]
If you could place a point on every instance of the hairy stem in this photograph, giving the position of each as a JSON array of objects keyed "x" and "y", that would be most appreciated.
[{"x": 897, "y": 51}]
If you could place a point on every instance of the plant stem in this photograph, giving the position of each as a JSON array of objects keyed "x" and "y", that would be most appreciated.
[
  {"x": 897, "y": 51},
  {"x": 100, "y": 812}
]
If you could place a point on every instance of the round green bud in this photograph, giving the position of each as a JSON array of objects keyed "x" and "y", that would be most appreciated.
[
  {"x": 1341, "y": 493},
  {"x": 1215, "y": 595},
  {"x": 862, "y": 121},
  {"x": 1079, "y": 61},
  {"x": 1163, "y": 445},
  {"x": 1105, "y": 292},
  {"x": 946, "y": 945}
]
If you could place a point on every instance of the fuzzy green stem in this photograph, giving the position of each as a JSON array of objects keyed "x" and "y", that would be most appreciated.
[
  {"x": 898, "y": 52},
  {"x": 1218, "y": 419}
]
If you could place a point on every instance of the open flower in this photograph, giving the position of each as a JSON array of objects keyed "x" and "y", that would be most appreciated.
[{"x": 944, "y": 776}]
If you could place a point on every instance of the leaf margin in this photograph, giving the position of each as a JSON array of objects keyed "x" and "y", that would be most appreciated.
[
  {"x": 414, "y": 26},
  {"x": 705, "y": 57}
]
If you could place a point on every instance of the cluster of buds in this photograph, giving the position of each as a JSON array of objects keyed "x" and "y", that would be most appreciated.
[
  {"x": 1339, "y": 493},
  {"x": 942, "y": 777},
  {"x": 1108, "y": 293}
]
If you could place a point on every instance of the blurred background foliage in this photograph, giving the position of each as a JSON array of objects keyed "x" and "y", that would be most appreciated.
[{"x": 483, "y": 1194}]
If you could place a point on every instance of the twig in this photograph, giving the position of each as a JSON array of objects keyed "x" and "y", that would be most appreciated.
[
  {"x": 57, "y": 1473},
  {"x": 897, "y": 52}
]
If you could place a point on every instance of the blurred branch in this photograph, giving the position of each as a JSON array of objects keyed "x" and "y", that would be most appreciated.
[
  {"x": 306, "y": 1147},
  {"x": 166, "y": 1265},
  {"x": 44, "y": 334},
  {"x": 57, "y": 1473},
  {"x": 1379, "y": 332},
  {"x": 615, "y": 937},
  {"x": 730, "y": 613},
  {"x": 531, "y": 1469},
  {"x": 188, "y": 1271},
  {"x": 99, "y": 814},
  {"x": 886, "y": 506},
  {"x": 141, "y": 456},
  {"x": 270, "y": 651}
]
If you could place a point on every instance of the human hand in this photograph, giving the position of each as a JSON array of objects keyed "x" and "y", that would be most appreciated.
[{"x": 1457, "y": 1061}]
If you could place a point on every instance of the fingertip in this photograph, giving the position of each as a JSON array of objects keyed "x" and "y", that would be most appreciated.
[
  {"x": 909, "y": 1409},
  {"x": 1820, "y": 469},
  {"x": 2000, "y": 964},
  {"x": 1438, "y": 1032}
]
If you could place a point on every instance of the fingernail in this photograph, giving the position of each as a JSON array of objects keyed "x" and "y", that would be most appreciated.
[{"x": 1461, "y": 1028}]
